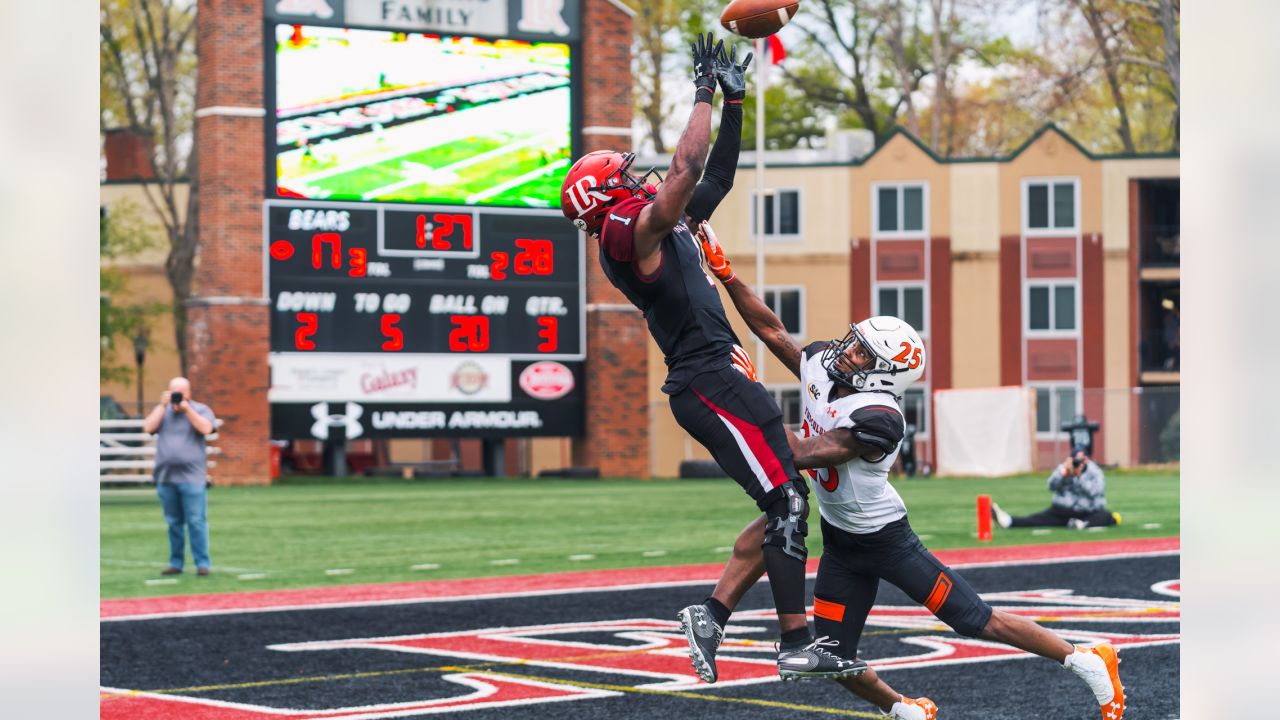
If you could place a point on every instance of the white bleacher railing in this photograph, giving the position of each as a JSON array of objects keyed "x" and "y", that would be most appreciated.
[{"x": 126, "y": 454}]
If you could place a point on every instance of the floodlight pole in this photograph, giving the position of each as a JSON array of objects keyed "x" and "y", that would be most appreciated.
[{"x": 758, "y": 229}]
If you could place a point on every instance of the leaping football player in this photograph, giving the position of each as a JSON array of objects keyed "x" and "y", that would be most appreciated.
[
  {"x": 649, "y": 253},
  {"x": 852, "y": 427}
]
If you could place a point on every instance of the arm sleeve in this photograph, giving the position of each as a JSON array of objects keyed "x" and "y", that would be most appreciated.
[
  {"x": 722, "y": 165},
  {"x": 879, "y": 426},
  {"x": 618, "y": 234},
  {"x": 1055, "y": 479}
]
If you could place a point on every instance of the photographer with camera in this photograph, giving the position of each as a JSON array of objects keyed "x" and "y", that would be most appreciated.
[
  {"x": 1079, "y": 498},
  {"x": 180, "y": 425}
]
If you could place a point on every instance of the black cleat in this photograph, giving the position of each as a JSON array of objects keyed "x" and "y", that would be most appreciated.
[
  {"x": 704, "y": 636},
  {"x": 815, "y": 661}
]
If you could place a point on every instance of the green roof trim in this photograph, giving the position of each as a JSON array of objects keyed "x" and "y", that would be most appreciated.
[{"x": 1048, "y": 127}]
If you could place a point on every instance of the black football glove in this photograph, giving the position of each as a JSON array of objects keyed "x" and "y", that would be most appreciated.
[
  {"x": 732, "y": 76},
  {"x": 704, "y": 66}
]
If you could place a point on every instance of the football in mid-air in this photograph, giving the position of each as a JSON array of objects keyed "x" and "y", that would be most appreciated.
[{"x": 758, "y": 18}]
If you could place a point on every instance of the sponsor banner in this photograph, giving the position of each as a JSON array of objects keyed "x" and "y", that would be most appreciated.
[
  {"x": 527, "y": 19},
  {"x": 370, "y": 377},
  {"x": 518, "y": 418}
]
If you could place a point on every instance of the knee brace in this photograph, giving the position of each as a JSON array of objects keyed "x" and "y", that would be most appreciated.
[{"x": 787, "y": 528}]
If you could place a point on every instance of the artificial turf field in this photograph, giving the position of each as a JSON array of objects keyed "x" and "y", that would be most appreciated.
[
  {"x": 505, "y": 641},
  {"x": 604, "y": 644},
  {"x": 336, "y": 532}
]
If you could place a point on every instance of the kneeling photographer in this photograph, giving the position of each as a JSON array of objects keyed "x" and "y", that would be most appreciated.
[{"x": 1079, "y": 498}]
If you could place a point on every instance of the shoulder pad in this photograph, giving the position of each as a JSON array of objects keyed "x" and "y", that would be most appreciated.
[
  {"x": 880, "y": 426},
  {"x": 814, "y": 349},
  {"x": 617, "y": 234}
]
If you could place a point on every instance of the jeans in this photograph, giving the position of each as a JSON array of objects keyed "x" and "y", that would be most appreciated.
[{"x": 184, "y": 504}]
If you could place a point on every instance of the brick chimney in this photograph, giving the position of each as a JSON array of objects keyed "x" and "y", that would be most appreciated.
[{"x": 128, "y": 154}]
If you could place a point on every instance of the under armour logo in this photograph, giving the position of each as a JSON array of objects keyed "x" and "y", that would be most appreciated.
[
  {"x": 542, "y": 16},
  {"x": 349, "y": 420}
]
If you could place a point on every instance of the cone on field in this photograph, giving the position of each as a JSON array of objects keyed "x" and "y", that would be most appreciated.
[{"x": 984, "y": 518}]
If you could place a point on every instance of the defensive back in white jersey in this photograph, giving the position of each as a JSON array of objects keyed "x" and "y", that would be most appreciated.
[{"x": 855, "y": 496}]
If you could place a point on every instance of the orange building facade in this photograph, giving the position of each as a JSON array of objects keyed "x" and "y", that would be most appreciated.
[{"x": 1051, "y": 268}]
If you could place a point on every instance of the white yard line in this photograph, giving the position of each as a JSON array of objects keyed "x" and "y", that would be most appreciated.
[
  {"x": 473, "y": 160},
  {"x": 517, "y": 181}
]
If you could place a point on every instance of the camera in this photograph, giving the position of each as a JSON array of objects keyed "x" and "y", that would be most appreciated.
[
  {"x": 1077, "y": 461},
  {"x": 175, "y": 398}
]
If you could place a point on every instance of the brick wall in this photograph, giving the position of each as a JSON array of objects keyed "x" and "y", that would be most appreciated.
[
  {"x": 227, "y": 327},
  {"x": 617, "y": 414}
]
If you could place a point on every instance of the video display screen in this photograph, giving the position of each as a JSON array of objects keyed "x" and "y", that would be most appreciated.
[{"x": 381, "y": 116}]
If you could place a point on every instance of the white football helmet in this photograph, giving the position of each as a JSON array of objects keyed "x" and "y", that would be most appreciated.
[{"x": 897, "y": 353}]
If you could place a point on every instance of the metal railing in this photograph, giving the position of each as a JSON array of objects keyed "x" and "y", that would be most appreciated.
[{"x": 126, "y": 454}]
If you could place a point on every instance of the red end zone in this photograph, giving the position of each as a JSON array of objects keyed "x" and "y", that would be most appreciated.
[{"x": 550, "y": 584}]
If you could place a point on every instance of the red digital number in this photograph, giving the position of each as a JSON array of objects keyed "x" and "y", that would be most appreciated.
[
  {"x": 441, "y": 228},
  {"x": 547, "y": 330},
  {"x": 420, "y": 238},
  {"x": 535, "y": 257},
  {"x": 470, "y": 333},
  {"x": 302, "y": 338},
  {"x": 395, "y": 337},
  {"x": 334, "y": 241},
  {"x": 499, "y": 265},
  {"x": 359, "y": 258}
]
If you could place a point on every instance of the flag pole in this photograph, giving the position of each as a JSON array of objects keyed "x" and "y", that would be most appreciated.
[{"x": 759, "y": 200}]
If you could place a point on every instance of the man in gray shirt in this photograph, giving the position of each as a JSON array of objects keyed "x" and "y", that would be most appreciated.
[
  {"x": 180, "y": 425},
  {"x": 1079, "y": 498}
]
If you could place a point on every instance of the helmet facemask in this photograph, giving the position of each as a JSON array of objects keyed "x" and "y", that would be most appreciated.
[
  {"x": 622, "y": 178},
  {"x": 859, "y": 378}
]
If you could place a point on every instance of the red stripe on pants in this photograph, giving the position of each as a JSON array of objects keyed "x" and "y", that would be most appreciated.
[{"x": 756, "y": 443}]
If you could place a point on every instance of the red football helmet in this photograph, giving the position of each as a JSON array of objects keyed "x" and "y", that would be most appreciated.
[{"x": 597, "y": 182}]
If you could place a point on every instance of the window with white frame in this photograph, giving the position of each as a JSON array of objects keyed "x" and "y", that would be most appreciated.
[
  {"x": 781, "y": 213},
  {"x": 1055, "y": 407},
  {"x": 905, "y": 302},
  {"x": 899, "y": 209},
  {"x": 788, "y": 304},
  {"x": 1051, "y": 205},
  {"x": 788, "y": 399},
  {"x": 915, "y": 408},
  {"x": 1051, "y": 307}
]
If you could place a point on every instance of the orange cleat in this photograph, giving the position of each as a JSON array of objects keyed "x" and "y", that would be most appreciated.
[{"x": 1099, "y": 667}]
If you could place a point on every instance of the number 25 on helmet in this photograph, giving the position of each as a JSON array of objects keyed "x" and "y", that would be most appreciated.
[{"x": 597, "y": 182}]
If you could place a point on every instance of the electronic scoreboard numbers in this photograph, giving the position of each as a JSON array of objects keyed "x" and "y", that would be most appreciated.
[
  {"x": 423, "y": 280},
  {"x": 423, "y": 319}
]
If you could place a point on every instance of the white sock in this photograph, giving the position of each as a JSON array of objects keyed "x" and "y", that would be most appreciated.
[{"x": 1091, "y": 668}]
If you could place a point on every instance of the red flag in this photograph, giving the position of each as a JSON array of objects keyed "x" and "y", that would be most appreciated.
[{"x": 773, "y": 50}]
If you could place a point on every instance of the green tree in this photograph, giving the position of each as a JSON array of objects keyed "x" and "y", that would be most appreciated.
[
  {"x": 789, "y": 119},
  {"x": 148, "y": 59},
  {"x": 122, "y": 234}
]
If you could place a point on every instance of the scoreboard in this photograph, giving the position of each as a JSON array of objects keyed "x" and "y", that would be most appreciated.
[{"x": 415, "y": 320}]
